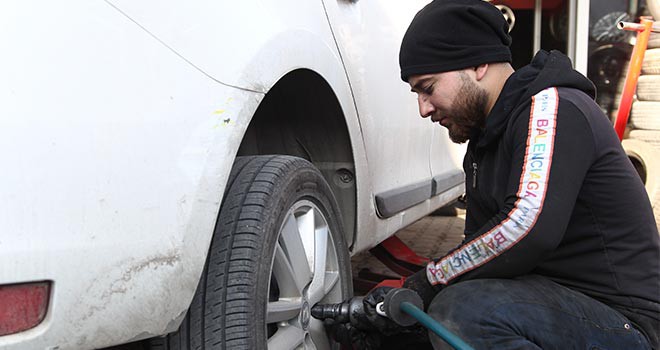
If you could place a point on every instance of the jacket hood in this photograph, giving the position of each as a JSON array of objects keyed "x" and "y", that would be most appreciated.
[{"x": 547, "y": 69}]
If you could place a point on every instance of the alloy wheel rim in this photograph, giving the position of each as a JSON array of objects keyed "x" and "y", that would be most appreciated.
[{"x": 305, "y": 270}]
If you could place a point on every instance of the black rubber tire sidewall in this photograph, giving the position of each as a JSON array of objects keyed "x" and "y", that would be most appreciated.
[
  {"x": 303, "y": 182},
  {"x": 276, "y": 182}
]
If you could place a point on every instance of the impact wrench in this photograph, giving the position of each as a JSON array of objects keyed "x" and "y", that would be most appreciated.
[{"x": 401, "y": 305}]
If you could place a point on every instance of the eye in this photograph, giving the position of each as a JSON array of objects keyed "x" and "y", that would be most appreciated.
[{"x": 428, "y": 89}]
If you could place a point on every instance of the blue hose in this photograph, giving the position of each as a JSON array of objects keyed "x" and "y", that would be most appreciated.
[{"x": 434, "y": 326}]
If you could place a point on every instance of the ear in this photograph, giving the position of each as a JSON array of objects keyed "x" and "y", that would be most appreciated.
[{"x": 480, "y": 71}]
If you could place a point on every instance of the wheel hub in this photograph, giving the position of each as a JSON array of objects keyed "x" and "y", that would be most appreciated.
[{"x": 305, "y": 314}]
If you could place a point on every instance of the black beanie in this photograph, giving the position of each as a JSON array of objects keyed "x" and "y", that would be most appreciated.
[{"x": 449, "y": 35}]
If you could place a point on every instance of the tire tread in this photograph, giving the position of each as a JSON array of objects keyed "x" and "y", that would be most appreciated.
[{"x": 220, "y": 313}]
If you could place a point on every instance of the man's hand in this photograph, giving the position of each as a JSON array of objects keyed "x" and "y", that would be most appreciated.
[
  {"x": 370, "y": 319},
  {"x": 393, "y": 336},
  {"x": 350, "y": 337},
  {"x": 419, "y": 283},
  {"x": 367, "y": 327}
]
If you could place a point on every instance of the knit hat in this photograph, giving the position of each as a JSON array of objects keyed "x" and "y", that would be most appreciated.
[{"x": 449, "y": 35}]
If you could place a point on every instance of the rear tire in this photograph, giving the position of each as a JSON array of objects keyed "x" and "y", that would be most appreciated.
[
  {"x": 646, "y": 161},
  {"x": 278, "y": 249},
  {"x": 652, "y": 137},
  {"x": 654, "y": 8},
  {"x": 645, "y": 115},
  {"x": 648, "y": 88},
  {"x": 654, "y": 39},
  {"x": 651, "y": 63}
]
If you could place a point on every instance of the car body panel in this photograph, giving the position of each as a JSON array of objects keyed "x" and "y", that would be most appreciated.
[
  {"x": 116, "y": 155},
  {"x": 446, "y": 156},
  {"x": 366, "y": 32},
  {"x": 249, "y": 44}
]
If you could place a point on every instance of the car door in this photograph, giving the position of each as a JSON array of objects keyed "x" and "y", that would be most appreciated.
[{"x": 397, "y": 140}]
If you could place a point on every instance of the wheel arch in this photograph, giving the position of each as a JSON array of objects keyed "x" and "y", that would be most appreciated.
[
  {"x": 301, "y": 116},
  {"x": 292, "y": 41}
]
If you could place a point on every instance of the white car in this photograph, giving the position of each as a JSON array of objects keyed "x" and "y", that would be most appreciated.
[{"x": 122, "y": 218}]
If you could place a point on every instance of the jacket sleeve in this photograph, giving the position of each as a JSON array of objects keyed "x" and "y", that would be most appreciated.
[{"x": 552, "y": 150}]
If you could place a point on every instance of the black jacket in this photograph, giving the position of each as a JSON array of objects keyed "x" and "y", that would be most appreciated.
[{"x": 550, "y": 191}]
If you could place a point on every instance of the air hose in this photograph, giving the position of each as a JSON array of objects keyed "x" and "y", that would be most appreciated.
[{"x": 434, "y": 326}]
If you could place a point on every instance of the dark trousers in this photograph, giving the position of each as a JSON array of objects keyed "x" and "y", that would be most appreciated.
[{"x": 530, "y": 312}]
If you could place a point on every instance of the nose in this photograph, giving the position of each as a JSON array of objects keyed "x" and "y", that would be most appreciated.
[{"x": 426, "y": 108}]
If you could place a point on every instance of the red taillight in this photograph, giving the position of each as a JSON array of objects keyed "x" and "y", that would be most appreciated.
[{"x": 22, "y": 306}]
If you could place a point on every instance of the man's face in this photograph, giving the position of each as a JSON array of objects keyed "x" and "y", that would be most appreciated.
[{"x": 453, "y": 100}]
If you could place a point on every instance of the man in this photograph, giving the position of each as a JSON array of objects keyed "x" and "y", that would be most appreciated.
[{"x": 561, "y": 248}]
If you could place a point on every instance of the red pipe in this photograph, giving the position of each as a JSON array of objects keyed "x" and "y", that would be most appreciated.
[{"x": 643, "y": 32}]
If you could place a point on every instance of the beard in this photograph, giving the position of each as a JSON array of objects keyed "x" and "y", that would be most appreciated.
[{"x": 467, "y": 111}]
